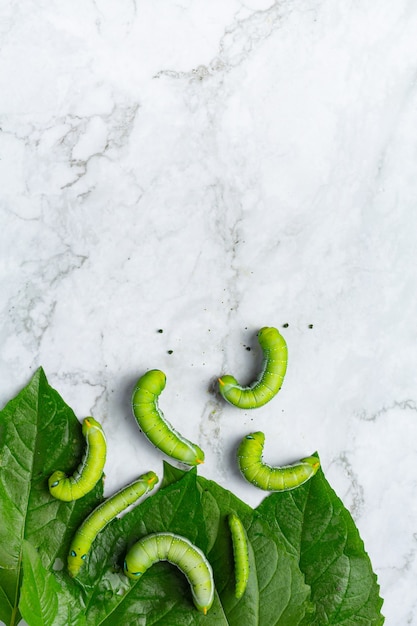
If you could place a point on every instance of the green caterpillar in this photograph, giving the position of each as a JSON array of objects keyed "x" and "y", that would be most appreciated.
[
  {"x": 264, "y": 476},
  {"x": 153, "y": 424},
  {"x": 102, "y": 515},
  {"x": 90, "y": 470},
  {"x": 180, "y": 552},
  {"x": 240, "y": 553},
  {"x": 270, "y": 379}
]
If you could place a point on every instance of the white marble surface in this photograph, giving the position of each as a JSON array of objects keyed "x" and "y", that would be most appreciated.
[{"x": 208, "y": 168}]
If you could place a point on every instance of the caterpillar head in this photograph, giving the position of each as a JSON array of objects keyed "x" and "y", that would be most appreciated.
[
  {"x": 154, "y": 381},
  {"x": 76, "y": 558},
  {"x": 56, "y": 479},
  {"x": 259, "y": 437},
  {"x": 131, "y": 574},
  {"x": 56, "y": 484},
  {"x": 251, "y": 447},
  {"x": 267, "y": 335}
]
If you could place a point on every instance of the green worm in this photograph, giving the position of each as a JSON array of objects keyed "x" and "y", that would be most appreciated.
[
  {"x": 179, "y": 551},
  {"x": 269, "y": 380},
  {"x": 153, "y": 424},
  {"x": 90, "y": 470},
  {"x": 240, "y": 553},
  {"x": 264, "y": 476},
  {"x": 102, "y": 515}
]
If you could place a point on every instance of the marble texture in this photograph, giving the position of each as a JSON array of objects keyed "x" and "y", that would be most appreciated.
[{"x": 208, "y": 168}]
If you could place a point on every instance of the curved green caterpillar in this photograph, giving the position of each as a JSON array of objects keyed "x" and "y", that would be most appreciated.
[
  {"x": 268, "y": 382},
  {"x": 102, "y": 515},
  {"x": 180, "y": 552},
  {"x": 88, "y": 473},
  {"x": 240, "y": 553},
  {"x": 264, "y": 476},
  {"x": 152, "y": 422}
]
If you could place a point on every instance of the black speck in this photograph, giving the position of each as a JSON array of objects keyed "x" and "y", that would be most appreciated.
[
  {"x": 248, "y": 348},
  {"x": 310, "y": 325},
  {"x": 285, "y": 325},
  {"x": 170, "y": 351},
  {"x": 160, "y": 330}
]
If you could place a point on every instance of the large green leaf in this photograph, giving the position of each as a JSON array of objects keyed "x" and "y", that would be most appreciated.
[
  {"x": 323, "y": 536},
  {"x": 39, "y": 433},
  {"x": 308, "y": 566},
  {"x": 44, "y": 600},
  {"x": 276, "y": 594},
  {"x": 162, "y": 595},
  {"x": 195, "y": 508}
]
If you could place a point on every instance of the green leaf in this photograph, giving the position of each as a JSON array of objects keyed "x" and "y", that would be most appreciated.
[
  {"x": 276, "y": 594},
  {"x": 322, "y": 534},
  {"x": 8, "y": 607},
  {"x": 39, "y": 433},
  {"x": 195, "y": 508},
  {"x": 173, "y": 474},
  {"x": 163, "y": 591},
  {"x": 45, "y": 601},
  {"x": 308, "y": 566}
]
